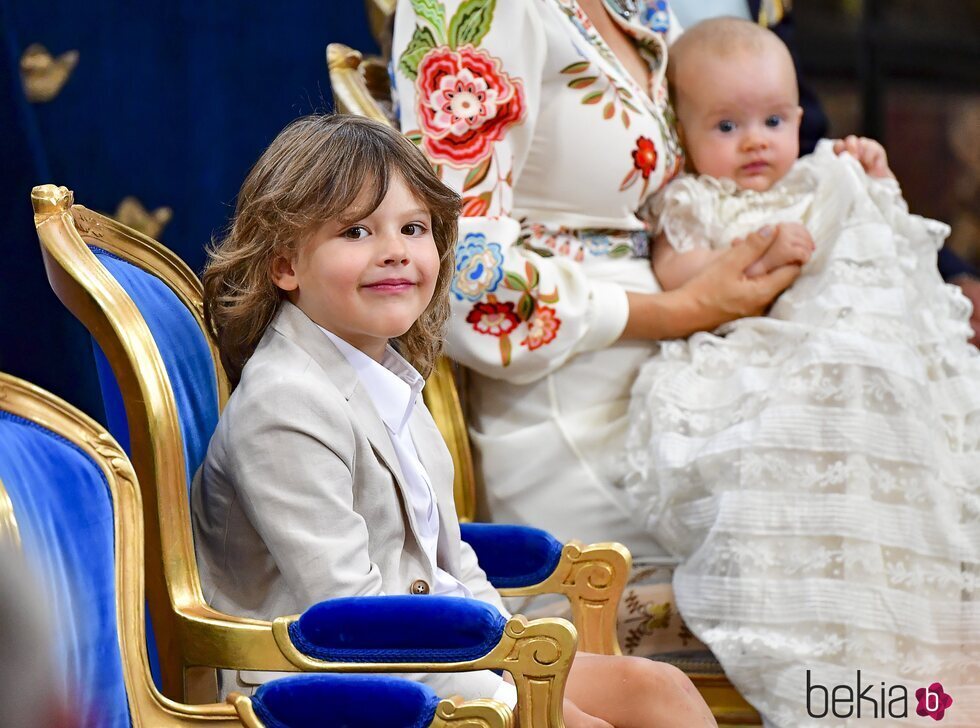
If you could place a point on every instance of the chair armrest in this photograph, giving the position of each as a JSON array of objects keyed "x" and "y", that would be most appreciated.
[
  {"x": 361, "y": 701},
  {"x": 513, "y": 556},
  {"x": 398, "y": 629},
  {"x": 399, "y": 634},
  {"x": 592, "y": 577}
]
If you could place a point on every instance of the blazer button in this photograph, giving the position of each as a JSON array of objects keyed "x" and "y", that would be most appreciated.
[{"x": 419, "y": 586}]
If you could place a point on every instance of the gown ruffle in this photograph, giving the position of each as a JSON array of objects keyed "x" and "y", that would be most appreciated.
[{"x": 817, "y": 470}]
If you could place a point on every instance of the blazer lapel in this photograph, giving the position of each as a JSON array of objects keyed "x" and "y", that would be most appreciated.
[
  {"x": 295, "y": 325},
  {"x": 438, "y": 463}
]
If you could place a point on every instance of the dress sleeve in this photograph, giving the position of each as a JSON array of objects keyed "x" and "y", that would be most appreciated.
[
  {"x": 685, "y": 212},
  {"x": 468, "y": 78}
]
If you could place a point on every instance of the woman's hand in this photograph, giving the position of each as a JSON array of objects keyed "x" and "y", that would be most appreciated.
[
  {"x": 719, "y": 293},
  {"x": 793, "y": 245}
]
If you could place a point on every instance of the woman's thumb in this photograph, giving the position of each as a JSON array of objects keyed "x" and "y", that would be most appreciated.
[{"x": 750, "y": 249}]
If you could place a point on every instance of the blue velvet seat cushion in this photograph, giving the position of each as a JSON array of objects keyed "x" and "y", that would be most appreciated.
[
  {"x": 513, "y": 556},
  {"x": 186, "y": 358},
  {"x": 64, "y": 516},
  {"x": 344, "y": 701},
  {"x": 398, "y": 629}
]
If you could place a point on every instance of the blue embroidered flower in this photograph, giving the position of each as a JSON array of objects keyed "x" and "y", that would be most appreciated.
[
  {"x": 478, "y": 267},
  {"x": 656, "y": 16}
]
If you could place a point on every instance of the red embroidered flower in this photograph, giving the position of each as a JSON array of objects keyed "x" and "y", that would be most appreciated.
[
  {"x": 645, "y": 156},
  {"x": 466, "y": 103},
  {"x": 493, "y": 317},
  {"x": 542, "y": 328}
]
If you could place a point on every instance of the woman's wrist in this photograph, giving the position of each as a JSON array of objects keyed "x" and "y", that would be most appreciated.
[{"x": 669, "y": 315}]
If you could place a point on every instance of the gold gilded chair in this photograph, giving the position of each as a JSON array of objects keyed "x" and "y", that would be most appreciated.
[
  {"x": 163, "y": 392},
  {"x": 360, "y": 85},
  {"x": 70, "y": 510}
]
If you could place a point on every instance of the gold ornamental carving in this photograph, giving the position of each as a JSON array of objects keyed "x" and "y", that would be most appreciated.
[
  {"x": 43, "y": 75},
  {"x": 131, "y": 213}
]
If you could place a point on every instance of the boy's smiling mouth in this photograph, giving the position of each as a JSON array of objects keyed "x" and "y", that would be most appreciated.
[{"x": 391, "y": 285}]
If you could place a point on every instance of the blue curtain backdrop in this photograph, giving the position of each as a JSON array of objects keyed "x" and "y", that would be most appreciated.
[{"x": 171, "y": 102}]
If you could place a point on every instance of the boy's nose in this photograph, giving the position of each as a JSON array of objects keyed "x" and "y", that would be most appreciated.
[{"x": 395, "y": 251}]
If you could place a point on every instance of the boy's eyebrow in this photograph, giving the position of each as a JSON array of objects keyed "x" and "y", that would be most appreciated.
[{"x": 417, "y": 211}]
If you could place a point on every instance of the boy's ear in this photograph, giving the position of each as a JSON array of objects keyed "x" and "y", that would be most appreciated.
[
  {"x": 283, "y": 274},
  {"x": 799, "y": 115}
]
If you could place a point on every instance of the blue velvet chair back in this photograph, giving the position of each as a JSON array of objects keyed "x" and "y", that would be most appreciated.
[
  {"x": 64, "y": 517},
  {"x": 184, "y": 351},
  {"x": 162, "y": 387}
]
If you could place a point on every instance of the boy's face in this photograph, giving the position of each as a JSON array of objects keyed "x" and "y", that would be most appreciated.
[
  {"x": 739, "y": 116},
  {"x": 367, "y": 281}
]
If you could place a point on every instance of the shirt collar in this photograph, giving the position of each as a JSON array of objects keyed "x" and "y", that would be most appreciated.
[{"x": 393, "y": 384}]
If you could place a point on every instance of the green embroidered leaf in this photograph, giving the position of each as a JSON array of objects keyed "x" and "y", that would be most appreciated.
[
  {"x": 525, "y": 307},
  {"x": 532, "y": 276},
  {"x": 609, "y": 110},
  {"x": 576, "y": 67},
  {"x": 624, "y": 92},
  {"x": 620, "y": 250},
  {"x": 434, "y": 13},
  {"x": 476, "y": 175},
  {"x": 549, "y": 297},
  {"x": 630, "y": 106},
  {"x": 422, "y": 42},
  {"x": 593, "y": 97},
  {"x": 437, "y": 170},
  {"x": 515, "y": 282},
  {"x": 505, "y": 349},
  {"x": 471, "y": 22},
  {"x": 582, "y": 82},
  {"x": 414, "y": 136},
  {"x": 626, "y": 119}
]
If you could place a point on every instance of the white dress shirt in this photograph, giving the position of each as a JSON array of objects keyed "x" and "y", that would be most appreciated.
[{"x": 394, "y": 386}]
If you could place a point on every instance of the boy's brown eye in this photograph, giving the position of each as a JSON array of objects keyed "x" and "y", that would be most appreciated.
[
  {"x": 413, "y": 228},
  {"x": 355, "y": 233}
]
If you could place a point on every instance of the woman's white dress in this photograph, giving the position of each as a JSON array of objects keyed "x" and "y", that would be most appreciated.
[
  {"x": 817, "y": 470},
  {"x": 524, "y": 110}
]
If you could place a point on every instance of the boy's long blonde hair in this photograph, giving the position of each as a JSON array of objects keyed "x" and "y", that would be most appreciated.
[{"x": 316, "y": 170}]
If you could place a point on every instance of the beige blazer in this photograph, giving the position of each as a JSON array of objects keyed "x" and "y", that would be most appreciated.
[{"x": 301, "y": 498}]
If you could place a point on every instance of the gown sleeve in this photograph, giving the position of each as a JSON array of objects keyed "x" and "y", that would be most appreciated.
[{"x": 469, "y": 78}]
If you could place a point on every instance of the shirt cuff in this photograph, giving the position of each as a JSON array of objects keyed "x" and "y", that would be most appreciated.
[
  {"x": 506, "y": 694},
  {"x": 610, "y": 309}
]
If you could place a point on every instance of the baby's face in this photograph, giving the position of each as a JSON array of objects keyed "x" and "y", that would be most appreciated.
[{"x": 740, "y": 116}]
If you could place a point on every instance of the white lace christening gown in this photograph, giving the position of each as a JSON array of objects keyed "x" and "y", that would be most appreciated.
[{"x": 817, "y": 471}]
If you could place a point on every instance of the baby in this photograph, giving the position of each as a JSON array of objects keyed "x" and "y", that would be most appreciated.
[
  {"x": 816, "y": 471},
  {"x": 738, "y": 117}
]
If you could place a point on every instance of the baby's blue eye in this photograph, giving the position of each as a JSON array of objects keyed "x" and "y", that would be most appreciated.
[
  {"x": 355, "y": 233},
  {"x": 774, "y": 120},
  {"x": 726, "y": 126}
]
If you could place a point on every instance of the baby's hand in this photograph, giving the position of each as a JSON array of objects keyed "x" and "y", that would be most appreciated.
[
  {"x": 868, "y": 152},
  {"x": 793, "y": 246}
]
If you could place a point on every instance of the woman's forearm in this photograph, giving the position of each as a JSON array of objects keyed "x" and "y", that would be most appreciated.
[{"x": 718, "y": 293}]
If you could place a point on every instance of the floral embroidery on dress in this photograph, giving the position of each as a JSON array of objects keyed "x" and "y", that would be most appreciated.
[
  {"x": 466, "y": 102},
  {"x": 493, "y": 317},
  {"x": 577, "y": 243},
  {"x": 644, "y": 162},
  {"x": 620, "y": 96},
  {"x": 499, "y": 318},
  {"x": 478, "y": 268},
  {"x": 656, "y": 16},
  {"x": 542, "y": 328}
]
